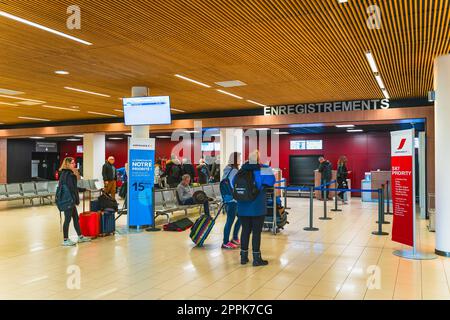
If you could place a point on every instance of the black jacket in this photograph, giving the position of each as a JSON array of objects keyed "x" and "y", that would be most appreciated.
[
  {"x": 215, "y": 172},
  {"x": 173, "y": 173},
  {"x": 325, "y": 169},
  {"x": 189, "y": 169},
  {"x": 342, "y": 172},
  {"x": 203, "y": 173},
  {"x": 109, "y": 172},
  {"x": 68, "y": 178}
]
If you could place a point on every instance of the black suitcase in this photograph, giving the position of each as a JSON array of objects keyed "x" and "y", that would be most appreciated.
[{"x": 107, "y": 222}]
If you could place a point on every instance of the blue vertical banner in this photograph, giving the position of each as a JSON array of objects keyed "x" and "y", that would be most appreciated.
[{"x": 141, "y": 160}]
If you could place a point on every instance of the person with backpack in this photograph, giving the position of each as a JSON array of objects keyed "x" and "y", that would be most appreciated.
[
  {"x": 325, "y": 169},
  {"x": 226, "y": 190},
  {"x": 68, "y": 193},
  {"x": 173, "y": 172},
  {"x": 249, "y": 189},
  {"x": 342, "y": 175},
  {"x": 203, "y": 172}
]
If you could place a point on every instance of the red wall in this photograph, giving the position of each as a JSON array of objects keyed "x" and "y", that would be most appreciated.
[{"x": 365, "y": 152}]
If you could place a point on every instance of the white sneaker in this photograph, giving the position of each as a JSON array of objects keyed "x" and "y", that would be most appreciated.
[
  {"x": 68, "y": 243},
  {"x": 83, "y": 239}
]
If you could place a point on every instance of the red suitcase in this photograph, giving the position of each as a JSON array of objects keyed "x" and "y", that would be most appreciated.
[{"x": 89, "y": 221}]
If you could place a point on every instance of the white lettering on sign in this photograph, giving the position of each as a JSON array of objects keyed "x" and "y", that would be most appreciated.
[{"x": 338, "y": 106}]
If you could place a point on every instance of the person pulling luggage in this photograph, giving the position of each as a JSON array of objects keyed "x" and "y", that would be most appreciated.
[
  {"x": 249, "y": 186},
  {"x": 67, "y": 186}
]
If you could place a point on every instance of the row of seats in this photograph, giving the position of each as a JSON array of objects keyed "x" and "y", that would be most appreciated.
[
  {"x": 42, "y": 190},
  {"x": 28, "y": 191},
  {"x": 166, "y": 200}
]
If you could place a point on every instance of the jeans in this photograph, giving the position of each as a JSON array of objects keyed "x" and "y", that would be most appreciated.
[
  {"x": 325, "y": 191},
  {"x": 252, "y": 225},
  {"x": 69, "y": 215},
  {"x": 190, "y": 201},
  {"x": 231, "y": 208}
]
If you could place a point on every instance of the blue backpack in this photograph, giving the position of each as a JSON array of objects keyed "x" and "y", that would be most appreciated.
[
  {"x": 226, "y": 190},
  {"x": 63, "y": 198}
]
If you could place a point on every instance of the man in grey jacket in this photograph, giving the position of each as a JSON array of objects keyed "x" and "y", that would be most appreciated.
[{"x": 185, "y": 193}]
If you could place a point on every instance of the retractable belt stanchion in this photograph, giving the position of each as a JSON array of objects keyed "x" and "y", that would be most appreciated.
[
  {"x": 336, "y": 209},
  {"x": 383, "y": 221},
  {"x": 274, "y": 205},
  {"x": 388, "y": 199},
  {"x": 311, "y": 211},
  {"x": 285, "y": 199},
  {"x": 380, "y": 231},
  {"x": 325, "y": 198}
]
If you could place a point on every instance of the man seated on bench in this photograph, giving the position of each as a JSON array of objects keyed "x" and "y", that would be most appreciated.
[{"x": 185, "y": 193}]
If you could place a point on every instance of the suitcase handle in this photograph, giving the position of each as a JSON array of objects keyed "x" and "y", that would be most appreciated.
[{"x": 84, "y": 198}]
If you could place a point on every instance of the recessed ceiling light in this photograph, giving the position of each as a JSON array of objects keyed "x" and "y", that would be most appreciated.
[
  {"x": 128, "y": 134},
  {"x": 178, "y": 110},
  {"x": 102, "y": 114},
  {"x": 193, "y": 81},
  {"x": 62, "y": 72},
  {"x": 372, "y": 63},
  {"x": 30, "y": 103},
  {"x": 355, "y": 130},
  {"x": 257, "y": 103},
  {"x": 342, "y": 1},
  {"x": 75, "y": 107},
  {"x": 72, "y": 139},
  {"x": 22, "y": 99},
  {"x": 192, "y": 131},
  {"x": 88, "y": 92},
  {"x": 61, "y": 108},
  {"x": 10, "y": 92},
  {"x": 115, "y": 138},
  {"x": 37, "y": 138},
  {"x": 281, "y": 132},
  {"x": 262, "y": 129},
  {"x": 8, "y": 104},
  {"x": 35, "y": 119},
  {"x": 163, "y": 137},
  {"x": 36, "y": 25},
  {"x": 230, "y": 94},
  {"x": 345, "y": 125},
  {"x": 79, "y": 135},
  {"x": 118, "y": 110},
  {"x": 231, "y": 84}
]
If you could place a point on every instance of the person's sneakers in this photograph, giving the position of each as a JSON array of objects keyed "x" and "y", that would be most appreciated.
[
  {"x": 82, "y": 239},
  {"x": 68, "y": 243},
  {"x": 236, "y": 242},
  {"x": 229, "y": 246}
]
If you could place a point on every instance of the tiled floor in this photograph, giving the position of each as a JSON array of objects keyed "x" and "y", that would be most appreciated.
[{"x": 332, "y": 263}]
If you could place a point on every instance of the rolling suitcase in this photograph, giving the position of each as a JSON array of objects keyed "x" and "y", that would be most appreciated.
[
  {"x": 107, "y": 222},
  {"x": 89, "y": 221},
  {"x": 202, "y": 227}
]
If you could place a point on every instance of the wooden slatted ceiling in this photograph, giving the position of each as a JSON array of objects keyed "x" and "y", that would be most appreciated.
[{"x": 287, "y": 51}]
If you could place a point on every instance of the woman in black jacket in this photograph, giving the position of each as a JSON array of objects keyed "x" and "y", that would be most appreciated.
[
  {"x": 69, "y": 176},
  {"x": 342, "y": 174}
]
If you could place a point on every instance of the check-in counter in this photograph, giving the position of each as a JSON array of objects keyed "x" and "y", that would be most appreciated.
[{"x": 374, "y": 180}]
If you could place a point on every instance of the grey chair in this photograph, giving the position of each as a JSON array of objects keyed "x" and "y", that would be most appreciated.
[
  {"x": 14, "y": 191},
  {"x": 42, "y": 191},
  {"x": 52, "y": 186},
  {"x": 29, "y": 192},
  {"x": 160, "y": 209},
  {"x": 3, "y": 192}
]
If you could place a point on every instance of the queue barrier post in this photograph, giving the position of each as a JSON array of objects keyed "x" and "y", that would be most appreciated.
[
  {"x": 383, "y": 221},
  {"x": 388, "y": 199},
  {"x": 380, "y": 231},
  {"x": 336, "y": 209},
  {"x": 311, "y": 211},
  {"x": 274, "y": 205},
  {"x": 325, "y": 211}
]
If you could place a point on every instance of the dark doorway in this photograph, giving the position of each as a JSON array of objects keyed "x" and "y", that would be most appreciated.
[
  {"x": 301, "y": 170},
  {"x": 46, "y": 165}
]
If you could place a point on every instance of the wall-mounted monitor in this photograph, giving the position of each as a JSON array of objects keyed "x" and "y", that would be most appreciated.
[
  {"x": 314, "y": 145},
  {"x": 140, "y": 111},
  {"x": 298, "y": 145}
]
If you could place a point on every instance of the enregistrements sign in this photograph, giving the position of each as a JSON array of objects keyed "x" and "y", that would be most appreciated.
[
  {"x": 337, "y": 106},
  {"x": 141, "y": 160},
  {"x": 402, "y": 163}
]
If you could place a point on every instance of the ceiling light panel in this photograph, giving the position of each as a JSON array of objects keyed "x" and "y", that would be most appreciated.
[
  {"x": 231, "y": 84},
  {"x": 193, "y": 81},
  {"x": 88, "y": 92}
]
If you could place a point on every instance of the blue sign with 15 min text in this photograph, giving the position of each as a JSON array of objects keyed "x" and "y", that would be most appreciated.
[{"x": 141, "y": 161}]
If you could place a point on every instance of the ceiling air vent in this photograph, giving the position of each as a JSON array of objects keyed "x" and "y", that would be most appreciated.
[{"x": 230, "y": 84}]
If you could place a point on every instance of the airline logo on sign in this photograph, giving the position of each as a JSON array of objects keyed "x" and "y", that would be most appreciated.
[
  {"x": 401, "y": 145},
  {"x": 142, "y": 144}
]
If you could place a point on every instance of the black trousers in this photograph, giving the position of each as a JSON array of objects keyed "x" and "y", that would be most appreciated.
[
  {"x": 251, "y": 225},
  {"x": 68, "y": 216},
  {"x": 342, "y": 184}
]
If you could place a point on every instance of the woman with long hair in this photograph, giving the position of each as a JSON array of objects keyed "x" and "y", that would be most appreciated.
[
  {"x": 231, "y": 205},
  {"x": 342, "y": 174},
  {"x": 69, "y": 175}
]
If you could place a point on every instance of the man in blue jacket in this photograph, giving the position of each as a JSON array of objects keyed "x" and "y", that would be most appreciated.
[{"x": 252, "y": 213}]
